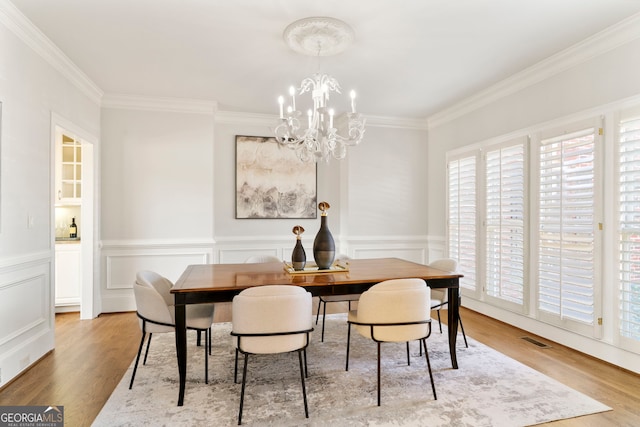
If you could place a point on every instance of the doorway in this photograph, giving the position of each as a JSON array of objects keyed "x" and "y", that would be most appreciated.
[{"x": 73, "y": 182}]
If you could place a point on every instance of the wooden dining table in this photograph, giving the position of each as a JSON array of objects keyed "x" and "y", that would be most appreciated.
[{"x": 210, "y": 283}]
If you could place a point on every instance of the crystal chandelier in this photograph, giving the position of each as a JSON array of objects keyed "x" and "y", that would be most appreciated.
[{"x": 321, "y": 134}]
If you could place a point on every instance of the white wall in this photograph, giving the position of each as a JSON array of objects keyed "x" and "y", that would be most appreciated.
[
  {"x": 168, "y": 193},
  {"x": 377, "y": 195},
  {"x": 157, "y": 191},
  {"x": 586, "y": 81},
  {"x": 31, "y": 90}
]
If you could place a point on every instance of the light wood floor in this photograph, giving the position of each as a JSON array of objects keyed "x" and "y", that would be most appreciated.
[{"x": 91, "y": 356}]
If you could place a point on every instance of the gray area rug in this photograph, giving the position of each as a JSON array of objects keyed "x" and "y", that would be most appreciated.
[{"x": 488, "y": 389}]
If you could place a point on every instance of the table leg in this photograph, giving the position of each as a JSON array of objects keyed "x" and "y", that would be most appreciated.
[
  {"x": 453, "y": 316},
  {"x": 181, "y": 347}
]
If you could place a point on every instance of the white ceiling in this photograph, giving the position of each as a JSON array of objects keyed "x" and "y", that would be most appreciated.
[{"x": 411, "y": 58}]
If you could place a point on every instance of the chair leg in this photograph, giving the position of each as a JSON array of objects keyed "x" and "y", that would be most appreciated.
[
  {"x": 199, "y": 338},
  {"x": 306, "y": 368},
  {"x": 244, "y": 382},
  {"x": 135, "y": 367},
  {"x": 206, "y": 357},
  {"x": 426, "y": 354},
  {"x": 235, "y": 371},
  {"x": 304, "y": 389},
  {"x": 324, "y": 314},
  {"x": 463, "y": 334},
  {"x": 439, "y": 322},
  {"x": 318, "y": 312},
  {"x": 408, "y": 359},
  {"x": 378, "y": 373},
  {"x": 146, "y": 353},
  {"x": 348, "y": 341},
  {"x": 209, "y": 343}
]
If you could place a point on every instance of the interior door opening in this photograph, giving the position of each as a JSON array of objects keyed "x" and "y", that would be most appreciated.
[{"x": 73, "y": 219}]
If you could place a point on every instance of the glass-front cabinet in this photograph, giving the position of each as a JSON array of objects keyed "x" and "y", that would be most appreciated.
[{"x": 68, "y": 169}]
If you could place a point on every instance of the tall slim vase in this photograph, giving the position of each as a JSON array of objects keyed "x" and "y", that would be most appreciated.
[
  {"x": 324, "y": 248},
  {"x": 298, "y": 256}
]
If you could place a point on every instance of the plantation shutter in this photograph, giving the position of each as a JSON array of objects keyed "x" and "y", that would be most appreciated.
[
  {"x": 462, "y": 217},
  {"x": 629, "y": 228},
  {"x": 566, "y": 232},
  {"x": 505, "y": 225}
]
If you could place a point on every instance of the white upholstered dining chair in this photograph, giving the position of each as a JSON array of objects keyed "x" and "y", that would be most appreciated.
[
  {"x": 155, "y": 309},
  {"x": 268, "y": 320},
  {"x": 394, "y": 311},
  {"x": 440, "y": 297}
]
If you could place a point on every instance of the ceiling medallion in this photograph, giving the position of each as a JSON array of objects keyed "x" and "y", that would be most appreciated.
[
  {"x": 319, "y": 36},
  {"x": 316, "y": 138}
]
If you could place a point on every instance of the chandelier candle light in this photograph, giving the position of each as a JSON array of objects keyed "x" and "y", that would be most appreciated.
[{"x": 319, "y": 138}]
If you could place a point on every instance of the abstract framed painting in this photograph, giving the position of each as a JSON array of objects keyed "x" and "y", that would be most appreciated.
[{"x": 272, "y": 182}]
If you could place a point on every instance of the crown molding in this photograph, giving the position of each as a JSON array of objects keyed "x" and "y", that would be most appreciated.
[
  {"x": 396, "y": 122},
  {"x": 617, "y": 35},
  {"x": 271, "y": 120},
  {"x": 29, "y": 34},
  {"x": 153, "y": 103},
  {"x": 240, "y": 118}
]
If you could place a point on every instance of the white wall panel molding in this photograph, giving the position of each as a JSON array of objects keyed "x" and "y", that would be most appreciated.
[
  {"x": 155, "y": 244},
  {"x": 121, "y": 260},
  {"x": 152, "y": 103},
  {"x": 236, "y": 249},
  {"x": 22, "y": 261},
  {"x": 30, "y": 35},
  {"x": 411, "y": 248},
  {"x": 121, "y": 269},
  {"x": 624, "y": 32},
  {"x": 26, "y": 303}
]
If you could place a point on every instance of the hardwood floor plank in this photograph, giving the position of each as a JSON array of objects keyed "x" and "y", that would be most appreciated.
[{"x": 91, "y": 356}]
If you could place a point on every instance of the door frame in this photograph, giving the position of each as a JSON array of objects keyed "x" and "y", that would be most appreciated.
[{"x": 89, "y": 301}]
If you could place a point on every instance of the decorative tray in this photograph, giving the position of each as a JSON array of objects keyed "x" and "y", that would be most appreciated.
[{"x": 312, "y": 268}]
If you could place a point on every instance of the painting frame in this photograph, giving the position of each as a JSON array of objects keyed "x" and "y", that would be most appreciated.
[{"x": 272, "y": 182}]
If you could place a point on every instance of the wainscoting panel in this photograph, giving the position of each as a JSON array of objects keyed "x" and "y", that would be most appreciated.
[
  {"x": 122, "y": 269},
  {"x": 234, "y": 250},
  {"x": 26, "y": 304},
  {"x": 122, "y": 260},
  {"x": 411, "y": 248}
]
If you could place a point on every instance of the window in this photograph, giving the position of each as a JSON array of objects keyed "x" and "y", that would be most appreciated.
[
  {"x": 540, "y": 257},
  {"x": 629, "y": 229},
  {"x": 462, "y": 217},
  {"x": 505, "y": 223},
  {"x": 567, "y": 265}
]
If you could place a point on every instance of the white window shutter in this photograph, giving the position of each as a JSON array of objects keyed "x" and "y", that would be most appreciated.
[
  {"x": 566, "y": 230},
  {"x": 505, "y": 223},
  {"x": 629, "y": 229},
  {"x": 462, "y": 214}
]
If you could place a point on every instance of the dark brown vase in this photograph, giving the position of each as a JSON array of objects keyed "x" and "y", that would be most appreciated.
[
  {"x": 298, "y": 256},
  {"x": 324, "y": 248}
]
